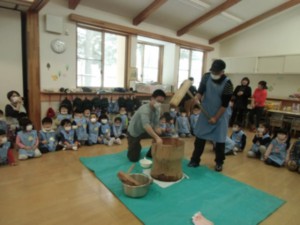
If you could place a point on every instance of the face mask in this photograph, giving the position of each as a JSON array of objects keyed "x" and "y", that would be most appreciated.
[
  {"x": 47, "y": 128},
  {"x": 215, "y": 77},
  {"x": 235, "y": 129},
  {"x": 29, "y": 127},
  {"x": 172, "y": 110},
  {"x": 157, "y": 105},
  {"x": 68, "y": 128},
  {"x": 104, "y": 121},
  {"x": 15, "y": 98},
  {"x": 63, "y": 113},
  {"x": 74, "y": 127},
  {"x": 93, "y": 120},
  {"x": 4, "y": 140},
  {"x": 260, "y": 129},
  {"x": 122, "y": 113}
]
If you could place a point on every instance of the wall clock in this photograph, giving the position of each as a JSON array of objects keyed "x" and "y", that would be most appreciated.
[{"x": 58, "y": 46}]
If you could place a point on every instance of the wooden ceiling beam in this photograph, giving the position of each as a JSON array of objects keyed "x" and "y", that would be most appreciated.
[
  {"x": 37, "y": 5},
  {"x": 255, "y": 20},
  {"x": 216, "y": 11},
  {"x": 148, "y": 11},
  {"x": 73, "y": 4}
]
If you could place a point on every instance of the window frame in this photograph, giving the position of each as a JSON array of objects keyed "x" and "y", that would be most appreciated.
[
  {"x": 204, "y": 56},
  {"x": 103, "y": 31},
  {"x": 160, "y": 58}
]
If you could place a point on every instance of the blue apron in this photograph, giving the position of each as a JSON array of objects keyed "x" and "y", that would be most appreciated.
[
  {"x": 117, "y": 130},
  {"x": 194, "y": 119},
  {"x": 93, "y": 132},
  {"x": 212, "y": 103},
  {"x": 27, "y": 139},
  {"x": 69, "y": 136},
  {"x": 3, "y": 152},
  {"x": 237, "y": 138},
  {"x": 51, "y": 139},
  {"x": 183, "y": 125},
  {"x": 81, "y": 131},
  {"x": 278, "y": 152}
]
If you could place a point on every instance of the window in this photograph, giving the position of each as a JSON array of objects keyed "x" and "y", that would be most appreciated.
[
  {"x": 148, "y": 62},
  {"x": 100, "y": 59},
  {"x": 190, "y": 65}
]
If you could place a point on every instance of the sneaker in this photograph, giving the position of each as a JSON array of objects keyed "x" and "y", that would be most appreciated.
[
  {"x": 75, "y": 148},
  {"x": 193, "y": 164},
  {"x": 218, "y": 168}
]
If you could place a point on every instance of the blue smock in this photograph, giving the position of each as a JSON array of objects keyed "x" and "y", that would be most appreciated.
[{"x": 211, "y": 103}]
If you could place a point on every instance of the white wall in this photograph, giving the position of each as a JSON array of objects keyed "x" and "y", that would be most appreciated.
[
  {"x": 10, "y": 54},
  {"x": 278, "y": 85},
  {"x": 276, "y": 36}
]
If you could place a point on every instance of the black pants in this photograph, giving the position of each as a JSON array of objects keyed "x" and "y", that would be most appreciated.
[
  {"x": 258, "y": 111},
  {"x": 238, "y": 115},
  {"x": 134, "y": 146},
  {"x": 199, "y": 145}
]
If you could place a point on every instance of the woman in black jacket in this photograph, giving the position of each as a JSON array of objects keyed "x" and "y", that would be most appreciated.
[{"x": 241, "y": 95}]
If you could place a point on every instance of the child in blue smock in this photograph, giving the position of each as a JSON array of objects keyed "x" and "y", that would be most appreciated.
[
  {"x": 63, "y": 113},
  {"x": 48, "y": 141},
  {"x": 183, "y": 125},
  {"x": 261, "y": 141},
  {"x": 27, "y": 140},
  {"x": 116, "y": 130},
  {"x": 3, "y": 123},
  {"x": 6, "y": 153},
  {"x": 293, "y": 159},
  {"x": 239, "y": 137},
  {"x": 173, "y": 113},
  {"x": 276, "y": 154},
  {"x": 80, "y": 126},
  {"x": 93, "y": 130},
  {"x": 194, "y": 117},
  {"x": 67, "y": 136},
  {"x": 123, "y": 115},
  {"x": 105, "y": 132}
]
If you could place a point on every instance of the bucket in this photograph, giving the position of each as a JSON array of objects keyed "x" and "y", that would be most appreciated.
[
  {"x": 138, "y": 191},
  {"x": 167, "y": 160}
]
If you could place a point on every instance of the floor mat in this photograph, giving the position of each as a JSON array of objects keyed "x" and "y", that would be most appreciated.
[{"x": 219, "y": 198}]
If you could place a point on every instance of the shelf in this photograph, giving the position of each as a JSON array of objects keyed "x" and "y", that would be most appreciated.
[{"x": 58, "y": 96}]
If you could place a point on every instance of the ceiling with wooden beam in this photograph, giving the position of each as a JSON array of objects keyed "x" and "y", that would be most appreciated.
[
  {"x": 213, "y": 20},
  {"x": 23, "y": 5}
]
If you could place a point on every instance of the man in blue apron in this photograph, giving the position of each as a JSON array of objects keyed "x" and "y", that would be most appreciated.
[{"x": 214, "y": 92}]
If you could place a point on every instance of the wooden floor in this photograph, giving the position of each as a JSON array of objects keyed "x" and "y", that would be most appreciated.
[{"x": 57, "y": 189}]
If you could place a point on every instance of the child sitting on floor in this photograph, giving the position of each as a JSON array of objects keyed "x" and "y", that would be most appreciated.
[
  {"x": 116, "y": 130},
  {"x": 276, "y": 154},
  {"x": 260, "y": 142},
  {"x": 183, "y": 125},
  {"x": 194, "y": 118},
  {"x": 27, "y": 140},
  {"x": 47, "y": 137},
  {"x": 293, "y": 159},
  {"x": 105, "y": 137},
  {"x": 239, "y": 137},
  {"x": 80, "y": 127},
  {"x": 67, "y": 137},
  {"x": 93, "y": 130},
  {"x": 6, "y": 153}
]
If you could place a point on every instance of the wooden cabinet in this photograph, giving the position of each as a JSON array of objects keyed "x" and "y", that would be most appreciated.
[
  {"x": 245, "y": 65},
  {"x": 292, "y": 64},
  {"x": 272, "y": 64},
  {"x": 285, "y": 64}
]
